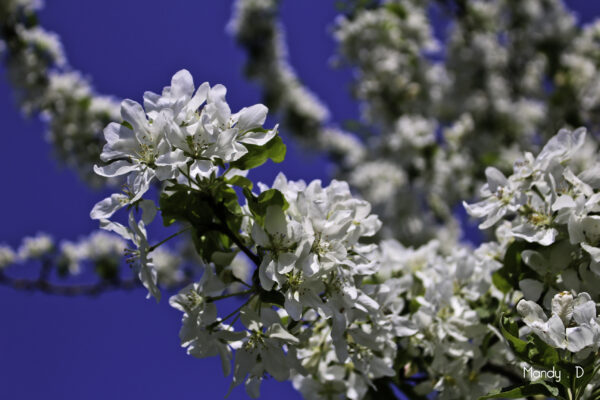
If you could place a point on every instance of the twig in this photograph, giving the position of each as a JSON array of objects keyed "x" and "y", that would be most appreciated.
[
  {"x": 47, "y": 287},
  {"x": 94, "y": 289},
  {"x": 508, "y": 373}
]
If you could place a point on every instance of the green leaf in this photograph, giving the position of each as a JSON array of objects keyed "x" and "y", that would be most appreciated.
[
  {"x": 107, "y": 269},
  {"x": 510, "y": 273},
  {"x": 170, "y": 206},
  {"x": 534, "y": 350},
  {"x": 272, "y": 297},
  {"x": 272, "y": 197},
  {"x": 258, "y": 204},
  {"x": 413, "y": 306},
  {"x": 396, "y": 9},
  {"x": 209, "y": 243},
  {"x": 529, "y": 389},
  {"x": 510, "y": 331},
  {"x": 185, "y": 207},
  {"x": 540, "y": 353},
  {"x": 240, "y": 181},
  {"x": 258, "y": 155},
  {"x": 501, "y": 283}
]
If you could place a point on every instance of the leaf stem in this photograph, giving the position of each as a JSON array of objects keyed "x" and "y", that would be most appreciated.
[
  {"x": 225, "y": 296},
  {"x": 231, "y": 314},
  {"x": 152, "y": 248}
]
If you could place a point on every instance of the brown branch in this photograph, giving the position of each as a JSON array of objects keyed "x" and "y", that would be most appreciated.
[
  {"x": 224, "y": 228},
  {"x": 506, "y": 372},
  {"x": 45, "y": 286},
  {"x": 94, "y": 289}
]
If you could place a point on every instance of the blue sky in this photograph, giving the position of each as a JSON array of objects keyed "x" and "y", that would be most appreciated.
[{"x": 121, "y": 345}]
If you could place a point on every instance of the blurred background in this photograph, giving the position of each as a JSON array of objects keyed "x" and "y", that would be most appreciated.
[{"x": 120, "y": 345}]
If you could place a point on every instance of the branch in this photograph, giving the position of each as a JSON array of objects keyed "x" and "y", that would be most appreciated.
[
  {"x": 508, "y": 373},
  {"x": 43, "y": 285},
  {"x": 94, "y": 289},
  {"x": 382, "y": 390},
  {"x": 224, "y": 228}
]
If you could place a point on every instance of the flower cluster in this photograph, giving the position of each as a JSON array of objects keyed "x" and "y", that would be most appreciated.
[
  {"x": 309, "y": 243},
  {"x": 314, "y": 289},
  {"x": 574, "y": 324},
  {"x": 550, "y": 200},
  {"x": 337, "y": 337},
  {"x": 440, "y": 297},
  {"x": 102, "y": 252},
  {"x": 45, "y": 84},
  {"x": 98, "y": 248},
  {"x": 256, "y": 27},
  {"x": 181, "y": 128},
  {"x": 182, "y": 132},
  {"x": 546, "y": 212}
]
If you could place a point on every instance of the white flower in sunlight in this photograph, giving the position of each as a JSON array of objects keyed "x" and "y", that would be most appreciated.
[
  {"x": 573, "y": 325},
  {"x": 7, "y": 256},
  {"x": 280, "y": 238},
  {"x": 140, "y": 257},
  {"x": 212, "y": 131},
  {"x": 182, "y": 128},
  {"x": 167, "y": 265},
  {"x": 502, "y": 196},
  {"x": 201, "y": 331},
  {"x": 136, "y": 147},
  {"x": 70, "y": 256},
  {"x": 36, "y": 246},
  {"x": 262, "y": 350}
]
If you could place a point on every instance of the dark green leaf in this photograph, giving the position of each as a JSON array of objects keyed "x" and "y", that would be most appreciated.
[
  {"x": 240, "y": 181},
  {"x": 258, "y": 155},
  {"x": 501, "y": 283},
  {"x": 540, "y": 353},
  {"x": 258, "y": 204},
  {"x": 107, "y": 269},
  {"x": 272, "y": 297},
  {"x": 529, "y": 389},
  {"x": 510, "y": 331}
]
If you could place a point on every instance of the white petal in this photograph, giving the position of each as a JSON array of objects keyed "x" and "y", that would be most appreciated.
[
  {"x": 274, "y": 362},
  {"x": 115, "y": 227},
  {"x": 252, "y": 117},
  {"x": 107, "y": 207},
  {"x": 292, "y": 306},
  {"x": 531, "y": 288},
  {"x": 579, "y": 337},
  {"x": 199, "y": 97},
  {"x": 563, "y": 201},
  {"x": 594, "y": 252},
  {"x": 132, "y": 112},
  {"x": 279, "y": 332},
  {"x": 275, "y": 221},
  {"x": 562, "y": 305},
  {"x": 258, "y": 138},
  {"x": 182, "y": 84},
  {"x": 140, "y": 183},
  {"x": 495, "y": 179},
  {"x": 148, "y": 277},
  {"x": 584, "y": 313},
  {"x": 252, "y": 387},
  {"x": 149, "y": 211},
  {"x": 555, "y": 335},
  {"x": 216, "y": 97},
  {"x": 531, "y": 312},
  {"x": 266, "y": 274},
  {"x": 259, "y": 235},
  {"x": 116, "y": 168}
]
